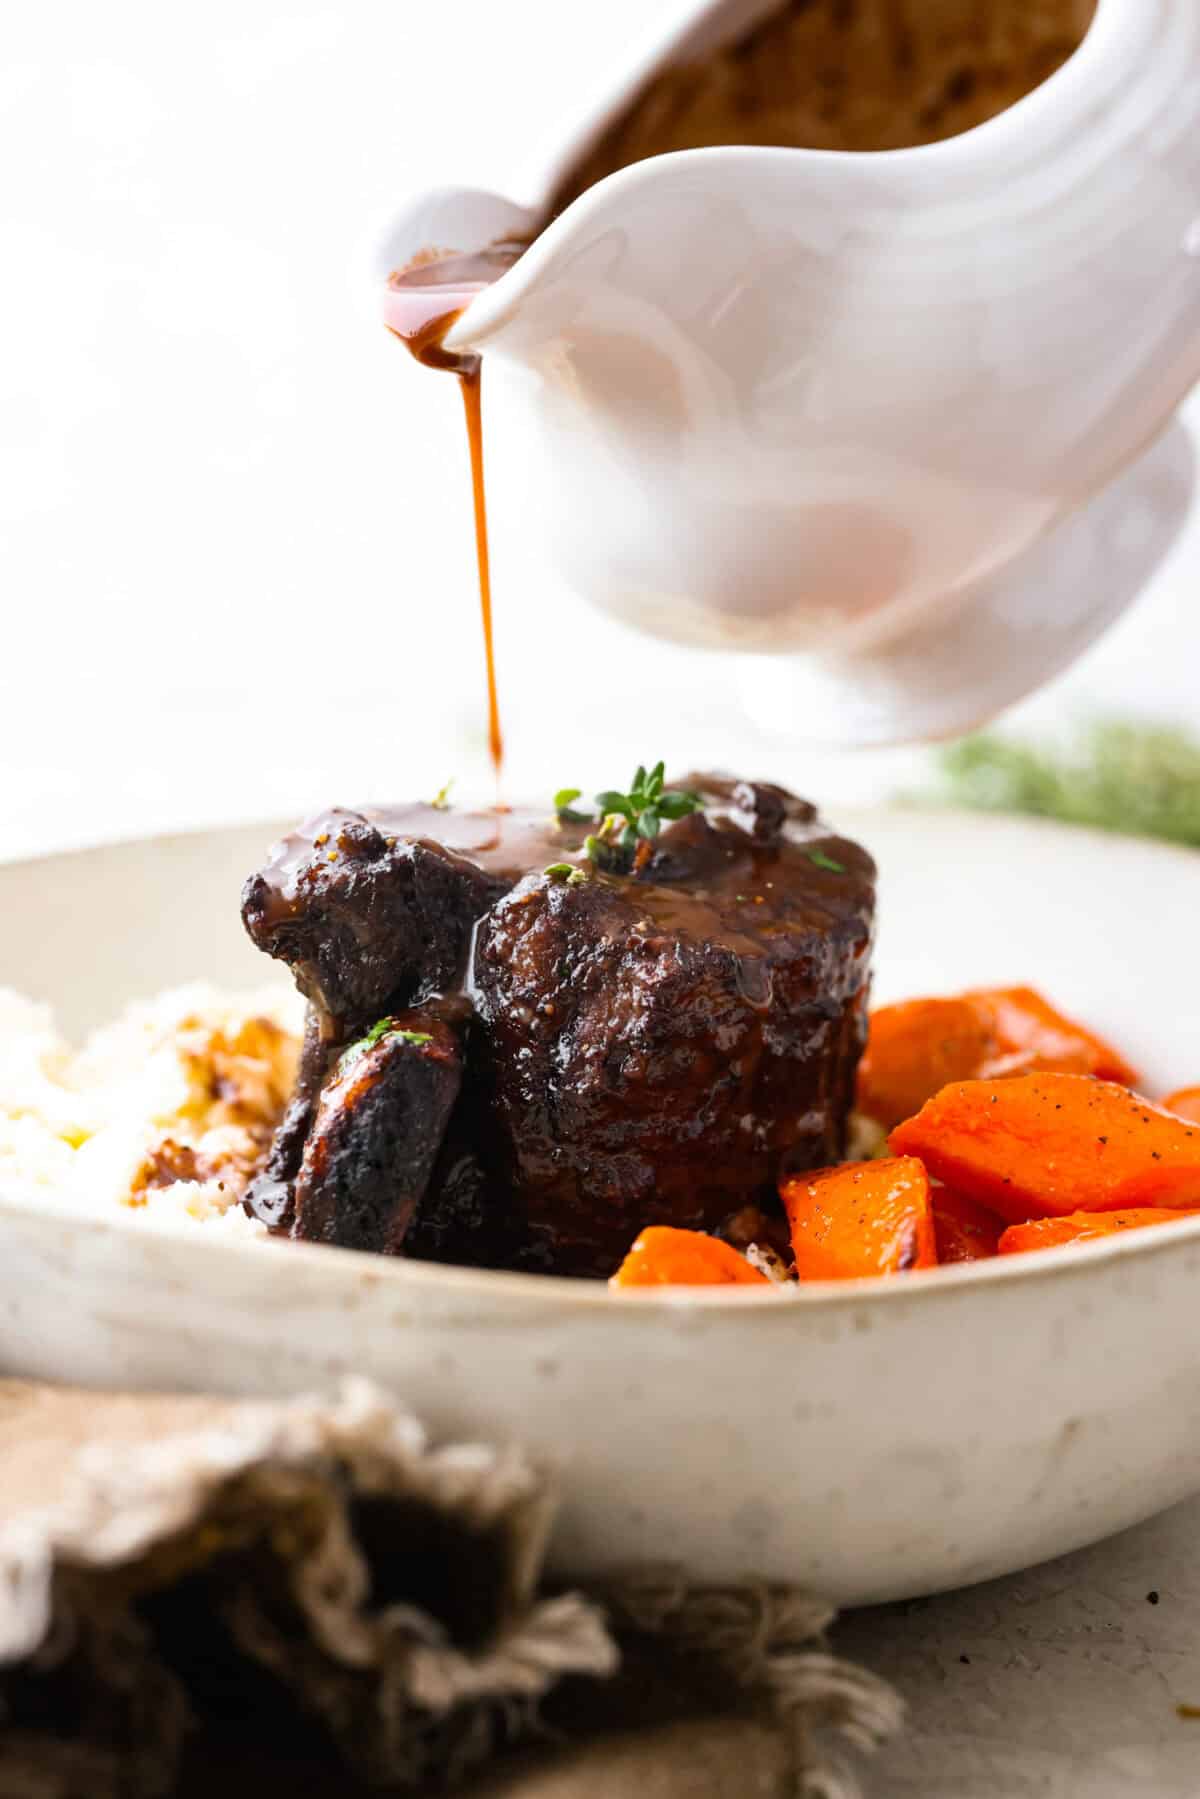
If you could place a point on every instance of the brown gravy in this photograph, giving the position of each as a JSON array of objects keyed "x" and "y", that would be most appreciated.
[
  {"x": 716, "y": 875},
  {"x": 858, "y": 75},
  {"x": 422, "y": 303},
  {"x": 506, "y": 843}
]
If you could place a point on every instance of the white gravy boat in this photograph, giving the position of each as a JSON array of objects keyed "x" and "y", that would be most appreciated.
[{"x": 788, "y": 401}]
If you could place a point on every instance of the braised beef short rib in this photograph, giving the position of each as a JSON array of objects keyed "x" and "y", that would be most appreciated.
[
  {"x": 612, "y": 1051},
  {"x": 376, "y": 1134},
  {"x": 370, "y": 908}
]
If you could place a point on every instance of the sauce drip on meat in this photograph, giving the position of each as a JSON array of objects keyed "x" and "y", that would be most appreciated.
[
  {"x": 506, "y": 844},
  {"x": 422, "y": 303},
  {"x": 712, "y": 875}
]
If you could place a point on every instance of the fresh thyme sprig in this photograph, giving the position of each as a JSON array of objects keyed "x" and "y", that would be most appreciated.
[
  {"x": 1113, "y": 774},
  {"x": 645, "y": 806},
  {"x": 385, "y": 1028},
  {"x": 624, "y": 820}
]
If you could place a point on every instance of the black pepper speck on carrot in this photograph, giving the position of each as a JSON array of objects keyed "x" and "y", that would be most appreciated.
[{"x": 1024, "y": 1148}]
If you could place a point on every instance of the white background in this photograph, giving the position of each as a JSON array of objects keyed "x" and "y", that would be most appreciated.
[{"x": 234, "y": 534}]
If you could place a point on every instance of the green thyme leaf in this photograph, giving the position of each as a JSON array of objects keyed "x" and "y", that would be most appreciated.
[
  {"x": 611, "y": 802},
  {"x": 678, "y": 804},
  {"x": 820, "y": 860},
  {"x": 648, "y": 824},
  {"x": 564, "y": 808},
  {"x": 376, "y": 1034}
]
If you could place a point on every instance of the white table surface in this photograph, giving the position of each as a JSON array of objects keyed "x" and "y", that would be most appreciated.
[
  {"x": 1071, "y": 1681},
  {"x": 236, "y": 580}
]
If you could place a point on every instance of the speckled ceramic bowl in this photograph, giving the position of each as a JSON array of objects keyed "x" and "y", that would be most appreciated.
[{"x": 874, "y": 1440}]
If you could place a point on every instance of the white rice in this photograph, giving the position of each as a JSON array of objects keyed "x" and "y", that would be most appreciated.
[{"x": 160, "y": 1115}]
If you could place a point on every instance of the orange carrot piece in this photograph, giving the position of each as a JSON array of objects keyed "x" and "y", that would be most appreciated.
[
  {"x": 965, "y": 1232},
  {"x": 1080, "y": 1227},
  {"x": 917, "y": 1048},
  {"x": 1052, "y": 1144},
  {"x": 864, "y": 1218},
  {"x": 663, "y": 1257},
  {"x": 1028, "y": 1025},
  {"x": 1185, "y": 1103}
]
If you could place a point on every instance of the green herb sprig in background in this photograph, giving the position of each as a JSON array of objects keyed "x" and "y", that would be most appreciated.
[{"x": 1140, "y": 780}]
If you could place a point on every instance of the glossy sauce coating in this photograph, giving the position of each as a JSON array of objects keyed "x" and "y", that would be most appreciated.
[
  {"x": 707, "y": 872},
  {"x": 502, "y": 842}
]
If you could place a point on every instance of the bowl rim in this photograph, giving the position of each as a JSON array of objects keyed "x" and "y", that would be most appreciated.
[{"x": 554, "y": 1293}]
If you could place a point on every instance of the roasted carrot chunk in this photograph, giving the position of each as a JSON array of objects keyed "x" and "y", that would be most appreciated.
[
  {"x": 1080, "y": 1227},
  {"x": 1028, "y": 1025},
  {"x": 1185, "y": 1104},
  {"x": 965, "y": 1231},
  {"x": 915, "y": 1049},
  {"x": 662, "y": 1257},
  {"x": 1052, "y": 1144},
  {"x": 861, "y": 1219}
]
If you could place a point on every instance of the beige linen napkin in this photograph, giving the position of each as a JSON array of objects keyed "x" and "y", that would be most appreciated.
[{"x": 239, "y": 1594}]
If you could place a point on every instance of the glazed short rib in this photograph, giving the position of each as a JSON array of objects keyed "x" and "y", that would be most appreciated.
[{"x": 518, "y": 1058}]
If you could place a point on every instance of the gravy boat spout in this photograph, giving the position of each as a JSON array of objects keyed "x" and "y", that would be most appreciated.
[{"x": 831, "y": 403}]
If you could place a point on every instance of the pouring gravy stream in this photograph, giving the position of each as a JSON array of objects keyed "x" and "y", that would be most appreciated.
[{"x": 422, "y": 303}]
